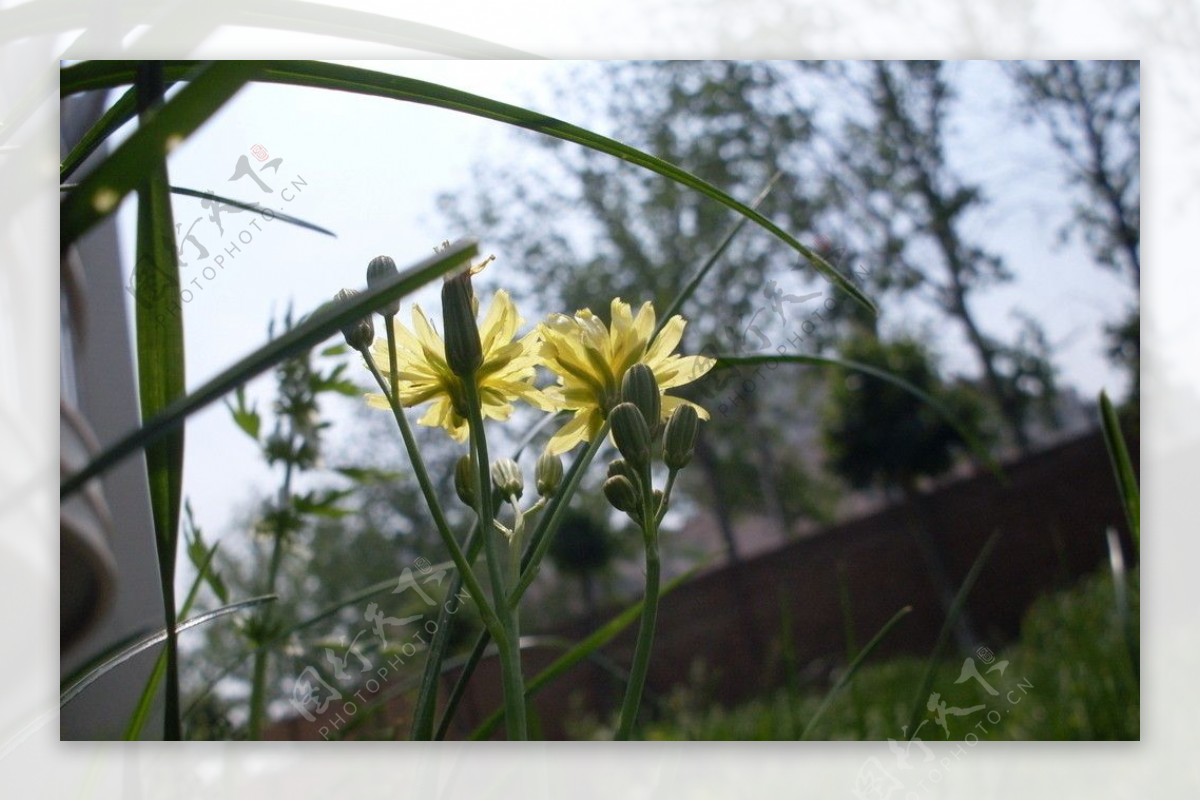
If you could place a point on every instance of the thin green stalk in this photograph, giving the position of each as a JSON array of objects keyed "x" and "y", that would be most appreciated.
[
  {"x": 645, "y": 640},
  {"x": 426, "y": 707},
  {"x": 666, "y": 498},
  {"x": 509, "y": 643},
  {"x": 261, "y": 657},
  {"x": 535, "y": 550},
  {"x": 141, "y": 712},
  {"x": 435, "y": 509},
  {"x": 543, "y": 534}
]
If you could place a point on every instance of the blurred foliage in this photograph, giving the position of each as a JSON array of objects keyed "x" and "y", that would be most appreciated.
[
  {"x": 876, "y": 433},
  {"x": 1068, "y": 677}
]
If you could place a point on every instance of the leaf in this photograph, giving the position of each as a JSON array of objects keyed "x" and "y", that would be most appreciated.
[
  {"x": 368, "y": 475},
  {"x": 256, "y": 207},
  {"x": 1118, "y": 455},
  {"x": 725, "y": 362},
  {"x": 844, "y": 679},
  {"x": 692, "y": 285},
  {"x": 394, "y": 584},
  {"x": 321, "y": 504},
  {"x": 202, "y": 559},
  {"x": 117, "y": 115},
  {"x": 100, "y": 193},
  {"x": 247, "y": 417},
  {"x": 158, "y": 313},
  {"x": 129, "y": 652},
  {"x": 366, "y": 82},
  {"x": 593, "y": 642},
  {"x": 939, "y": 647},
  {"x": 319, "y": 326}
]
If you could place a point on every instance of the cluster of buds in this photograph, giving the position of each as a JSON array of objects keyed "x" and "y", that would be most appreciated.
[
  {"x": 637, "y": 429},
  {"x": 360, "y": 334}
]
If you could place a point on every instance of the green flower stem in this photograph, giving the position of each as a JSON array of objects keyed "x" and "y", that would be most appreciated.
[
  {"x": 509, "y": 641},
  {"x": 258, "y": 699},
  {"x": 645, "y": 640},
  {"x": 539, "y": 542},
  {"x": 426, "y": 707},
  {"x": 666, "y": 498},
  {"x": 435, "y": 509}
]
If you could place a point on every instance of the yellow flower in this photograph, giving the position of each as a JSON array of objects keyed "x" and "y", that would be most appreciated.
[
  {"x": 591, "y": 359},
  {"x": 506, "y": 374}
]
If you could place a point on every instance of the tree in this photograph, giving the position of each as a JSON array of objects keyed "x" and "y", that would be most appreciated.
[
  {"x": 877, "y": 434},
  {"x": 1092, "y": 111},
  {"x": 618, "y": 231},
  {"x": 899, "y": 183}
]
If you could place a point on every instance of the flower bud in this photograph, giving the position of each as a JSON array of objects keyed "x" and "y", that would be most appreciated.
[
  {"x": 622, "y": 495},
  {"x": 679, "y": 438},
  {"x": 620, "y": 467},
  {"x": 640, "y": 388},
  {"x": 631, "y": 434},
  {"x": 464, "y": 481},
  {"x": 359, "y": 334},
  {"x": 506, "y": 476},
  {"x": 381, "y": 270},
  {"x": 548, "y": 473},
  {"x": 464, "y": 351}
]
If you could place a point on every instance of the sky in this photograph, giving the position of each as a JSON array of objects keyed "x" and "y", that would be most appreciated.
[{"x": 370, "y": 170}]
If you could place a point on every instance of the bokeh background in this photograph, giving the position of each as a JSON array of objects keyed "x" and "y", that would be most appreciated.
[{"x": 1165, "y": 88}]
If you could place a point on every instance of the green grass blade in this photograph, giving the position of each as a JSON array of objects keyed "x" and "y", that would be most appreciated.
[
  {"x": 426, "y": 707},
  {"x": 255, "y": 207},
  {"x": 319, "y": 326},
  {"x": 366, "y": 82},
  {"x": 141, "y": 712},
  {"x": 160, "y": 366},
  {"x": 692, "y": 285},
  {"x": 1121, "y": 605},
  {"x": 956, "y": 607},
  {"x": 725, "y": 362},
  {"x": 100, "y": 193},
  {"x": 1118, "y": 454},
  {"x": 582, "y": 650},
  {"x": 120, "y": 113},
  {"x": 853, "y": 668},
  {"x": 125, "y": 654},
  {"x": 535, "y": 549},
  {"x": 389, "y": 584}
]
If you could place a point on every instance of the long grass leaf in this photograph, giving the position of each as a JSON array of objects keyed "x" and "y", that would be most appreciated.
[
  {"x": 394, "y": 584},
  {"x": 582, "y": 650},
  {"x": 129, "y": 652},
  {"x": 956, "y": 607},
  {"x": 101, "y": 192},
  {"x": 318, "y": 327},
  {"x": 367, "y": 82},
  {"x": 1118, "y": 454},
  {"x": 845, "y": 678},
  {"x": 141, "y": 712},
  {"x": 255, "y": 207},
  {"x": 158, "y": 314},
  {"x": 693, "y": 284},
  {"x": 117, "y": 115}
]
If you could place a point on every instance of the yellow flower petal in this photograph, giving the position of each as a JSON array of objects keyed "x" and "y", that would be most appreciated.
[
  {"x": 506, "y": 375},
  {"x": 590, "y": 360}
]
